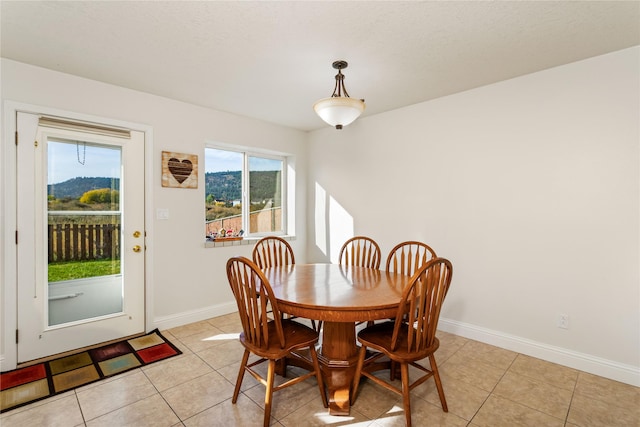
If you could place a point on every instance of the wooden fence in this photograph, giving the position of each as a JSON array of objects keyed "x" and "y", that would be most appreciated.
[
  {"x": 77, "y": 242},
  {"x": 264, "y": 220}
]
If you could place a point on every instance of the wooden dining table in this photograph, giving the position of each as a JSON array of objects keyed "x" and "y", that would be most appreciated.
[{"x": 339, "y": 296}]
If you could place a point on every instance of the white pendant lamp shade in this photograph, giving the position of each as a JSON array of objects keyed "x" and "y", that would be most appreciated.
[{"x": 339, "y": 111}]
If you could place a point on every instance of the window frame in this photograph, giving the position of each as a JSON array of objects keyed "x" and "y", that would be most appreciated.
[{"x": 245, "y": 202}]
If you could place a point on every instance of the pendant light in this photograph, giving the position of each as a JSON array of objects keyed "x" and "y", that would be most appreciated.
[{"x": 339, "y": 110}]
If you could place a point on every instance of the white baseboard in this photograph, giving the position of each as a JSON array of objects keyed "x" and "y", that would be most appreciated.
[
  {"x": 584, "y": 362},
  {"x": 179, "y": 319}
]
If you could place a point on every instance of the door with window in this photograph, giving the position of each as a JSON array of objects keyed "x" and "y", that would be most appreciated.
[{"x": 80, "y": 217}]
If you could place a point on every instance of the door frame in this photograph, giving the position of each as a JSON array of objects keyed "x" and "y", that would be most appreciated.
[{"x": 8, "y": 227}]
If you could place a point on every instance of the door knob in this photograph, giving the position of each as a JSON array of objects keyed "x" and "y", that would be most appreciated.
[{"x": 137, "y": 248}]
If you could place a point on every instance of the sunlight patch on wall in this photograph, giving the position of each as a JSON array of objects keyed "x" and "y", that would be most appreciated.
[
  {"x": 320, "y": 218},
  {"x": 340, "y": 228},
  {"x": 291, "y": 197}
]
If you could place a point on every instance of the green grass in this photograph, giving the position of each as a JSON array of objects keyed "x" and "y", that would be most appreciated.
[{"x": 82, "y": 269}]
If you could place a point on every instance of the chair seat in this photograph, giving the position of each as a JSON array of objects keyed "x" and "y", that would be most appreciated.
[
  {"x": 296, "y": 336},
  {"x": 379, "y": 337}
]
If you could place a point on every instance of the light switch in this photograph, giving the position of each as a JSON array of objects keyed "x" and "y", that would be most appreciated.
[{"x": 162, "y": 213}]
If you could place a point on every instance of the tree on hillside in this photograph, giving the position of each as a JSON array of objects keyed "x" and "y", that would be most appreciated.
[{"x": 101, "y": 195}]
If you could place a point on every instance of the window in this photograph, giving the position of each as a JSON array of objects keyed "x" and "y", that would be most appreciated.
[{"x": 244, "y": 193}]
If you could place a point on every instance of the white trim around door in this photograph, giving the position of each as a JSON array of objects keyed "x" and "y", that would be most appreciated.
[{"x": 8, "y": 197}]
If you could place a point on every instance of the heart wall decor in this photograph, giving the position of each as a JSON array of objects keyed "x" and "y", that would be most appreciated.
[{"x": 179, "y": 170}]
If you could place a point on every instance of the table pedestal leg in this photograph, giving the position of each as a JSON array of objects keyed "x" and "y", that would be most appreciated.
[{"x": 338, "y": 358}]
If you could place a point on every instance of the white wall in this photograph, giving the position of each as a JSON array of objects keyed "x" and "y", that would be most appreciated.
[
  {"x": 187, "y": 282},
  {"x": 529, "y": 186}
]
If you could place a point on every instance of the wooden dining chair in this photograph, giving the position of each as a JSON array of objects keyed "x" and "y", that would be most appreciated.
[
  {"x": 406, "y": 257},
  {"x": 360, "y": 251},
  {"x": 274, "y": 251},
  {"x": 269, "y": 339},
  {"x": 411, "y": 336}
]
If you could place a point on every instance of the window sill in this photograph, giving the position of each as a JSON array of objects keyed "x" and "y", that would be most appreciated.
[{"x": 245, "y": 241}]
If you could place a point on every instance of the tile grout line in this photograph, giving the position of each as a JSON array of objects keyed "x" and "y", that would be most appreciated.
[
  {"x": 573, "y": 393},
  {"x": 161, "y": 396},
  {"x": 75, "y": 393}
]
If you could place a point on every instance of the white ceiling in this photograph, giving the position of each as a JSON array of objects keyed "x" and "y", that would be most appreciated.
[{"x": 271, "y": 60}]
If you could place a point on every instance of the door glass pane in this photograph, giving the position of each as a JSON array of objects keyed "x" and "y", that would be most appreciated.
[
  {"x": 83, "y": 230},
  {"x": 265, "y": 195}
]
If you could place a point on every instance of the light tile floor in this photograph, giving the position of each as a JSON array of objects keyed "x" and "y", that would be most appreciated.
[{"x": 484, "y": 386}]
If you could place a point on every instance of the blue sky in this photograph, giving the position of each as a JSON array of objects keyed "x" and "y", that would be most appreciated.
[
  {"x": 65, "y": 161},
  {"x": 223, "y": 161}
]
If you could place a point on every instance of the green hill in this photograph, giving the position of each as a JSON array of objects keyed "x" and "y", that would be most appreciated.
[
  {"x": 225, "y": 186},
  {"x": 74, "y": 188}
]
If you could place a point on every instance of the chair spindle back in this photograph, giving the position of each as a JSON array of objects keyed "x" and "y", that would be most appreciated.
[
  {"x": 420, "y": 305},
  {"x": 255, "y": 300},
  {"x": 360, "y": 251},
  {"x": 272, "y": 251},
  {"x": 406, "y": 257}
]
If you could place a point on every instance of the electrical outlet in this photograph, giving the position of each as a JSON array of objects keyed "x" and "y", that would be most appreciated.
[{"x": 563, "y": 321}]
